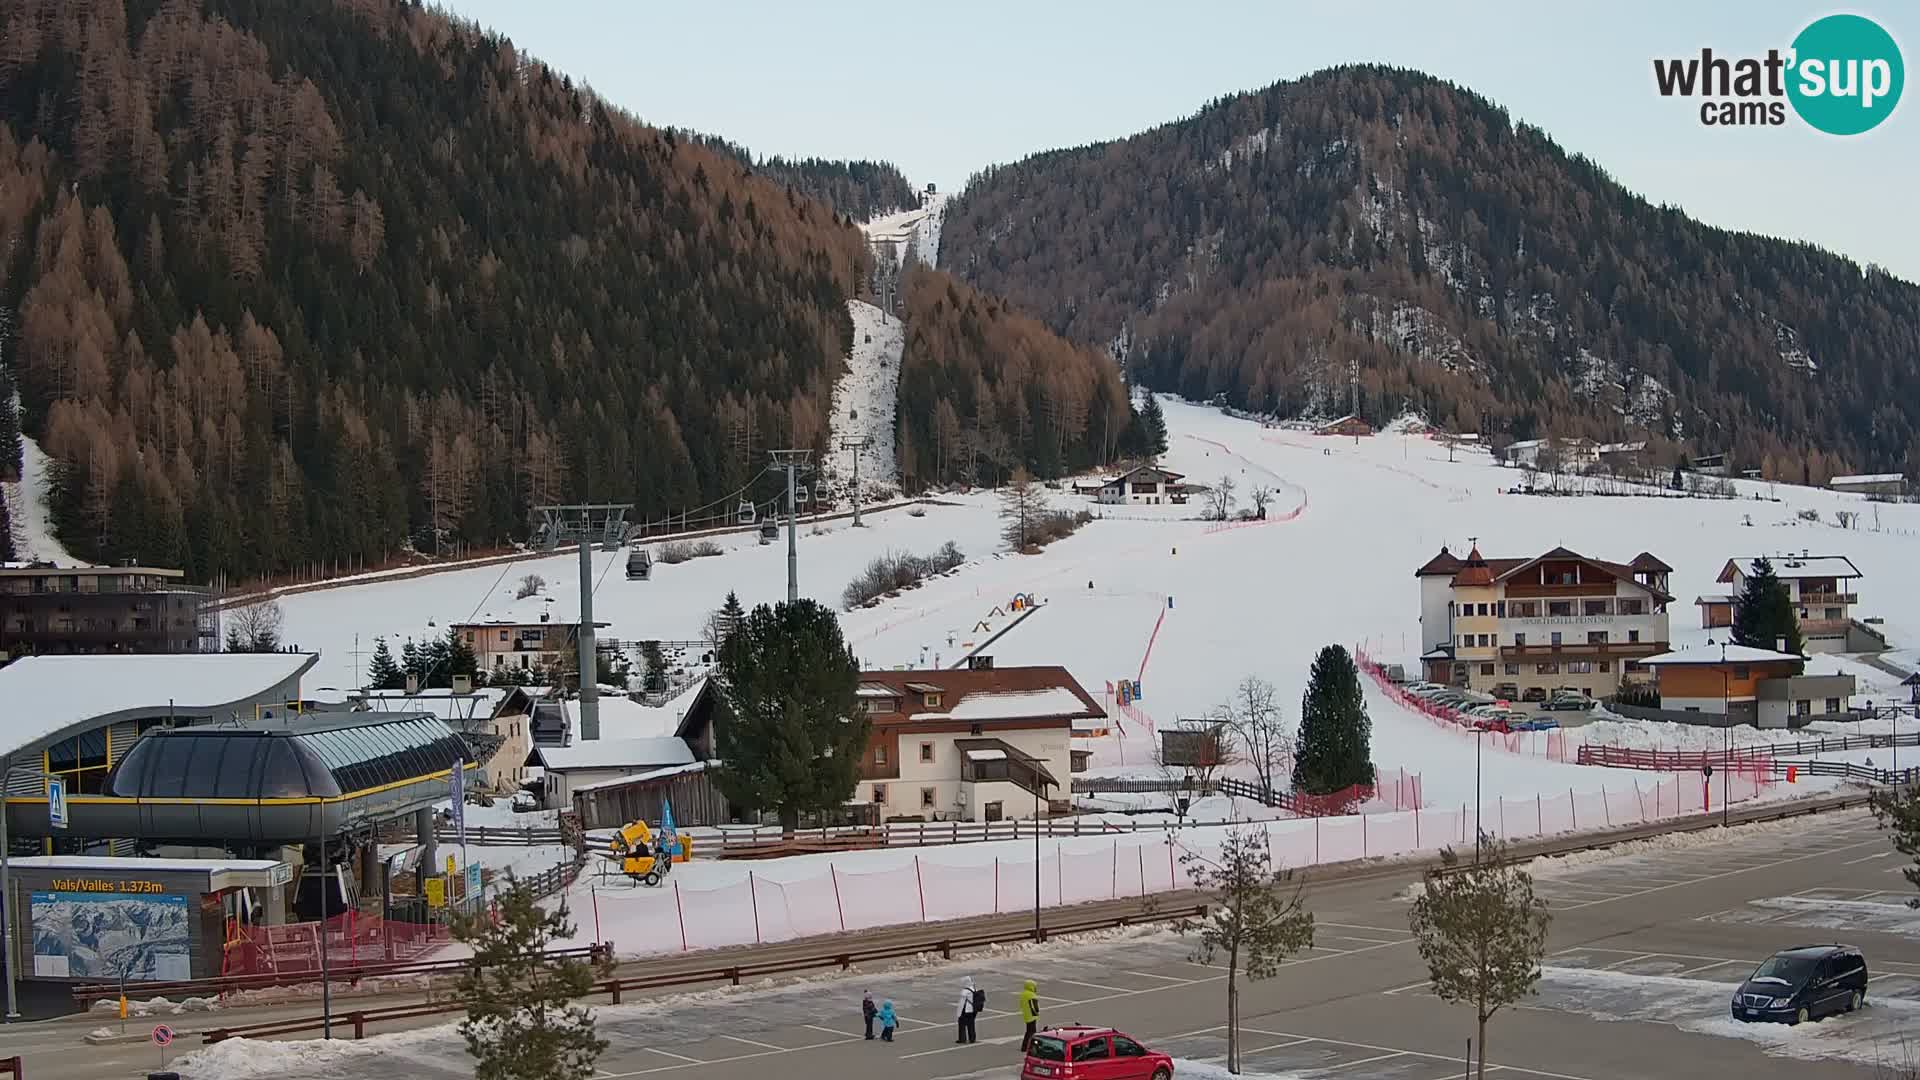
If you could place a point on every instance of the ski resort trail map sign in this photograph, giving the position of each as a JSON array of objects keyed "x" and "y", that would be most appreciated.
[{"x": 91, "y": 936}]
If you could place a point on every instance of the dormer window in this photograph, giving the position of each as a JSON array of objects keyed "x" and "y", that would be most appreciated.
[{"x": 932, "y": 701}]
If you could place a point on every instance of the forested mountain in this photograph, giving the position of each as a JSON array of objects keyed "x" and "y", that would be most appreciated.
[
  {"x": 861, "y": 190},
  {"x": 293, "y": 284},
  {"x": 984, "y": 389},
  {"x": 1469, "y": 266}
]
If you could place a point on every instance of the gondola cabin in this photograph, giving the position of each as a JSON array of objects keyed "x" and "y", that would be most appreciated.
[{"x": 639, "y": 564}]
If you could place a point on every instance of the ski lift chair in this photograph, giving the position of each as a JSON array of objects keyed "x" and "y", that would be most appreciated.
[
  {"x": 745, "y": 513},
  {"x": 801, "y": 496}
]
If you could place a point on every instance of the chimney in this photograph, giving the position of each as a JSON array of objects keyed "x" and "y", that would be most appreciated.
[
  {"x": 1779, "y": 644},
  {"x": 463, "y": 684},
  {"x": 413, "y": 684}
]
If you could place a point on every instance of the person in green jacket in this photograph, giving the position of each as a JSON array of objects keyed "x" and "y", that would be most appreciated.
[{"x": 1029, "y": 1012}]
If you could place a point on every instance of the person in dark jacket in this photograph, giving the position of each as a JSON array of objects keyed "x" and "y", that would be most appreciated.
[{"x": 868, "y": 1010}]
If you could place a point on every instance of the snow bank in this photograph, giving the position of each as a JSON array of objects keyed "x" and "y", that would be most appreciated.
[{"x": 33, "y": 538}]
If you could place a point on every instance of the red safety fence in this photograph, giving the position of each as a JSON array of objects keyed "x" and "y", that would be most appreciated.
[
  {"x": 1550, "y": 744},
  {"x": 1743, "y": 759},
  {"x": 351, "y": 939}
]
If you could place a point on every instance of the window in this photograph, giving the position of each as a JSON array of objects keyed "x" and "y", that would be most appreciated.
[
  {"x": 1631, "y": 605},
  {"x": 1833, "y": 613},
  {"x": 880, "y": 755},
  {"x": 1466, "y": 641},
  {"x": 1125, "y": 1047},
  {"x": 1513, "y": 669},
  {"x": 1579, "y": 667},
  {"x": 880, "y": 793},
  {"x": 1633, "y": 635},
  {"x": 1525, "y": 609},
  {"x": 1556, "y": 637},
  {"x": 1803, "y": 707},
  {"x": 1483, "y": 609},
  {"x": 1091, "y": 1050},
  {"x": 1559, "y": 607},
  {"x": 879, "y": 704},
  {"x": 926, "y": 752},
  {"x": 933, "y": 701},
  {"x": 926, "y": 798},
  {"x": 1634, "y": 666},
  {"x": 1606, "y": 665},
  {"x": 1519, "y": 639},
  {"x": 1596, "y": 637},
  {"x": 1484, "y": 641},
  {"x": 1595, "y": 607},
  {"x": 1548, "y": 668},
  {"x": 1486, "y": 669},
  {"x": 1833, "y": 705},
  {"x": 1500, "y": 609},
  {"x": 503, "y": 636}
]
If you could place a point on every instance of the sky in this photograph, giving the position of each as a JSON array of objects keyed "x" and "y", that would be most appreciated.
[{"x": 943, "y": 90}]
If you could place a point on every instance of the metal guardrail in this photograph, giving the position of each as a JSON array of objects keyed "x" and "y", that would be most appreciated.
[
  {"x": 734, "y": 974},
  {"x": 88, "y": 993}
]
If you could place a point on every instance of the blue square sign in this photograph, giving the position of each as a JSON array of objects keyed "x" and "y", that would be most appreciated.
[{"x": 57, "y": 802}]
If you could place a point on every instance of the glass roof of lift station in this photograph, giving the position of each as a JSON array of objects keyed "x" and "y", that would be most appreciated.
[{"x": 325, "y": 759}]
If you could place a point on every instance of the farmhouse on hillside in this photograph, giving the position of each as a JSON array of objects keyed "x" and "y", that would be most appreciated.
[{"x": 1821, "y": 589}]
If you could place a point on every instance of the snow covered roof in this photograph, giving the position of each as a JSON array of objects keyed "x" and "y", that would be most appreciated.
[
  {"x": 982, "y": 695},
  {"x": 1793, "y": 566},
  {"x": 1713, "y": 598},
  {"x": 1870, "y": 478},
  {"x": 875, "y": 690},
  {"x": 115, "y": 862},
  {"x": 614, "y": 754},
  {"x": 650, "y": 774},
  {"x": 1017, "y": 704},
  {"x": 50, "y": 697},
  {"x": 1711, "y": 654},
  {"x": 986, "y": 755}
]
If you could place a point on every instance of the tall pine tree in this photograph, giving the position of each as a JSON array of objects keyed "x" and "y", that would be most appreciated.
[
  {"x": 1763, "y": 612},
  {"x": 461, "y": 660},
  {"x": 789, "y": 733},
  {"x": 383, "y": 673},
  {"x": 1335, "y": 750},
  {"x": 1153, "y": 428}
]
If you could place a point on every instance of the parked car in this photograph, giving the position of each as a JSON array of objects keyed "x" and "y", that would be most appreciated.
[
  {"x": 1564, "y": 702},
  {"x": 1507, "y": 691},
  {"x": 1092, "y": 1053},
  {"x": 1804, "y": 983},
  {"x": 1534, "y": 693}
]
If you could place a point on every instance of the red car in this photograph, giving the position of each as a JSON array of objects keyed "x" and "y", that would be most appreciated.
[{"x": 1092, "y": 1053}]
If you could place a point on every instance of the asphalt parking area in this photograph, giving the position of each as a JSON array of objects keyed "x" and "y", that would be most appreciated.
[
  {"x": 1878, "y": 911},
  {"x": 1626, "y": 876},
  {"x": 1264, "y": 1050}
]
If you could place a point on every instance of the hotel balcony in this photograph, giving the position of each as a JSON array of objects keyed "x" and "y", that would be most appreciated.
[{"x": 1631, "y": 650}]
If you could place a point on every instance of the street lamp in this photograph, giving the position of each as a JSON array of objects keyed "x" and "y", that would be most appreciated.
[
  {"x": 1726, "y": 753},
  {"x": 1478, "y": 742},
  {"x": 1039, "y": 795}
]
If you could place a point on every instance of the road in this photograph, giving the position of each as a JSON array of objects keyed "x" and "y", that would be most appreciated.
[{"x": 1645, "y": 949}]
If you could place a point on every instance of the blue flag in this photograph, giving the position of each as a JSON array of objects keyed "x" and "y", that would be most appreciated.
[{"x": 669, "y": 838}]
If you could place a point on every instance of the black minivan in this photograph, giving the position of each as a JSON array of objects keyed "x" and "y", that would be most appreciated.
[{"x": 1804, "y": 983}]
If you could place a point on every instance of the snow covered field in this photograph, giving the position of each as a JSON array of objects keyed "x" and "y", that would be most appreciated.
[
  {"x": 33, "y": 538},
  {"x": 1226, "y": 602}
]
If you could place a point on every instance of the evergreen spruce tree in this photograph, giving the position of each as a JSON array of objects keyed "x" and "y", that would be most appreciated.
[
  {"x": 412, "y": 662},
  {"x": 461, "y": 659},
  {"x": 1153, "y": 428},
  {"x": 789, "y": 733},
  {"x": 1335, "y": 749},
  {"x": 7, "y": 549},
  {"x": 436, "y": 657},
  {"x": 383, "y": 673},
  {"x": 524, "y": 1018},
  {"x": 1763, "y": 612},
  {"x": 731, "y": 613},
  {"x": 655, "y": 661}
]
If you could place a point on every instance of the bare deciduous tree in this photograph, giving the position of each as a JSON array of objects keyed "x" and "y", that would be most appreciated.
[
  {"x": 1023, "y": 504},
  {"x": 254, "y": 628},
  {"x": 1220, "y": 499},
  {"x": 531, "y": 585},
  {"x": 1261, "y": 495},
  {"x": 1259, "y": 725},
  {"x": 1482, "y": 933},
  {"x": 1254, "y": 922}
]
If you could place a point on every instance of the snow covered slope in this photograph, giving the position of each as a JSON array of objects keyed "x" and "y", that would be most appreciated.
[
  {"x": 913, "y": 232},
  {"x": 864, "y": 398},
  {"x": 1334, "y": 563},
  {"x": 33, "y": 538}
]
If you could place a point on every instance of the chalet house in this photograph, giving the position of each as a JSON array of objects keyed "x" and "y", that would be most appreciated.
[
  {"x": 1347, "y": 425},
  {"x": 1559, "y": 620},
  {"x": 1750, "y": 686},
  {"x": 535, "y": 641},
  {"x": 569, "y": 768},
  {"x": 1891, "y": 485},
  {"x": 980, "y": 744},
  {"x": 1143, "y": 484},
  {"x": 1820, "y": 586},
  {"x": 1622, "y": 457}
]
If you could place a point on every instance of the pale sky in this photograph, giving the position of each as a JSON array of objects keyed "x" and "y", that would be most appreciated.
[{"x": 942, "y": 90}]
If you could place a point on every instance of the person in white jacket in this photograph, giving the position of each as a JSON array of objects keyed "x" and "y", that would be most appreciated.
[{"x": 964, "y": 1014}]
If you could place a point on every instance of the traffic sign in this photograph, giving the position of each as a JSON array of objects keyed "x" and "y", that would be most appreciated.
[
  {"x": 436, "y": 892},
  {"x": 56, "y": 802},
  {"x": 163, "y": 1036},
  {"x": 473, "y": 879},
  {"x": 453, "y": 868}
]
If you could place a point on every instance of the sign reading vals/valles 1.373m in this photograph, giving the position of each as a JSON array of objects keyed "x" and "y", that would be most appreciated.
[{"x": 104, "y": 885}]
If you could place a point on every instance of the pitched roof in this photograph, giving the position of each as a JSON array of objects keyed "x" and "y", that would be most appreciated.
[
  {"x": 1646, "y": 560},
  {"x": 1711, "y": 655},
  {"x": 1444, "y": 563},
  {"x": 614, "y": 754},
  {"x": 1506, "y": 568},
  {"x": 1003, "y": 694},
  {"x": 1475, "y": 571},
  {"x": 1793, "y": 566}
]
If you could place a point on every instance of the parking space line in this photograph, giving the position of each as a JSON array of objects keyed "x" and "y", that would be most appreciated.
[
  {"x": 1392, "y": 1052},
  {"x": 1410, "y": 986},
  {"x": 1705, "y": 967},
  {"x": 1368, "y": 940},
  {"x": 1281, "y": 1045},
  {"x": 1151, "y": 975},
  {"x": 1359, "y": 1061},
  {"x": 1355, "y": 926},
  {"x": 668, "y": 1053},
  {"x": 1714, "y": 877},
  {"x": 750, "y": 1042},
  {"x": 1077, "y": 982},
  {"x": 1628, "y": 960},
  {"x": 1869, "y": 858}
]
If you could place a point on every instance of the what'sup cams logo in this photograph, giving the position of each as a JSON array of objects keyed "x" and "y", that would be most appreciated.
[{"x": 1842, "y": 75}]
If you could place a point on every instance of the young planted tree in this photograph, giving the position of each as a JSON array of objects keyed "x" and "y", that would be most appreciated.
[
  {"x": 1254, "y": 921},
  {"x": 790, "y": 735},
  {"x": 383, "y": 673},
  {"x": 654, "y": 678},
  {"x": 1335, "y": 746},
  {"x": 1482, "y": 933},
  {"x": 1763, "y": 612},
  {"x": 522, "y": 1020},
  {"x": 1220, "y": 499},
  {"x": 1260, "y": 727},
  {"x": 1898, "y": 811},
  {"x": 1023, "y": 506}
]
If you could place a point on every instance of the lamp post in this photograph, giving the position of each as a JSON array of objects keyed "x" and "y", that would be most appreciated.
[
  {"x": 1039, "y": 796},
  {"x": 1726, "y": 754},
  {"x": 1478, "y": 742}
]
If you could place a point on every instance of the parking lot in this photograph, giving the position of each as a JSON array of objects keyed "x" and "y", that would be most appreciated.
[{"x": 1646, "y": 948}]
